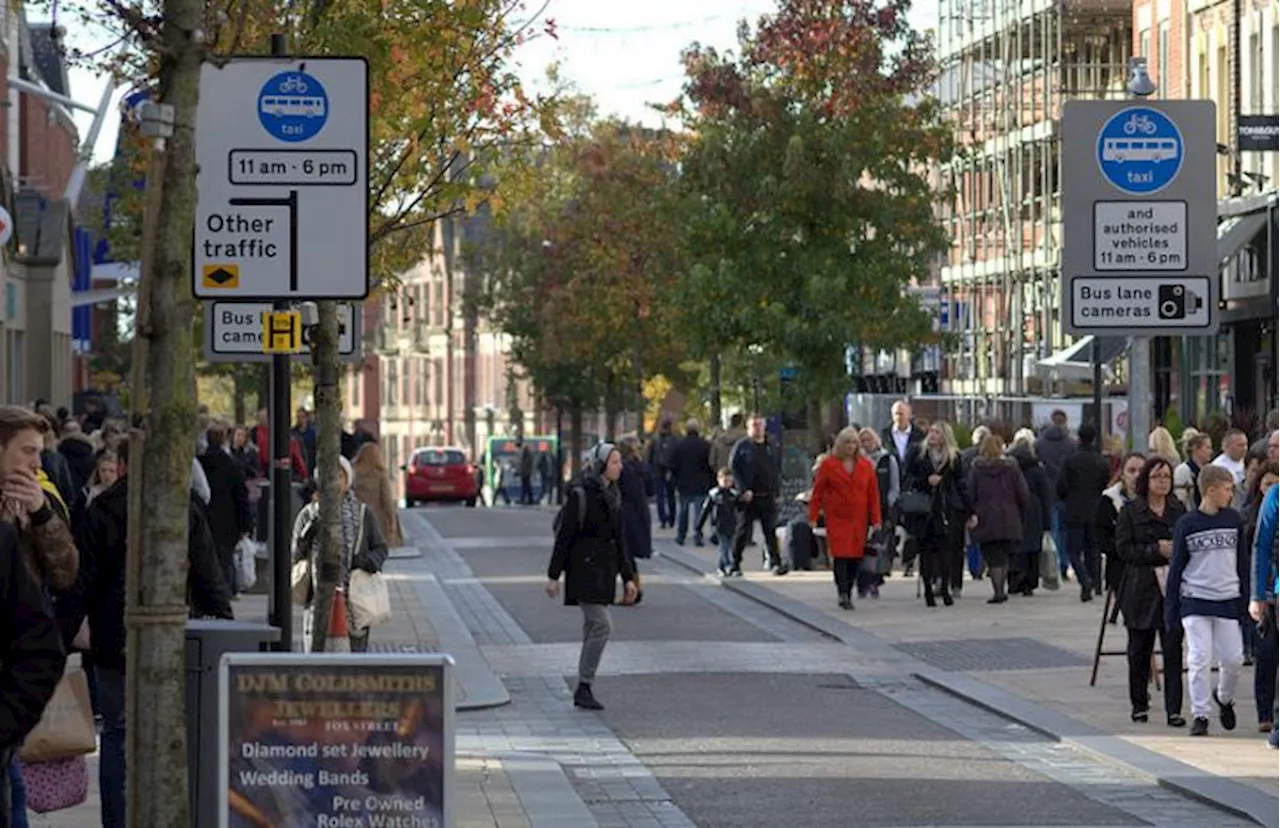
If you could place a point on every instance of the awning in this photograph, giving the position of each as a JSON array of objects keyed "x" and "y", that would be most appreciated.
[
  {"x": 1237, "y": 231},
  {"x": 1076, "y": 360},
  {"x": 81, "y": 298}
]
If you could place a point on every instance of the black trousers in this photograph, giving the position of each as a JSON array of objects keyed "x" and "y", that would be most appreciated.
[
  {"x": 846, "y": 573},
  {"x": 227, "y": 559},
  {"x": 1141, "y": 645},
  {"x": 1086, "y": 557},
  {"x": 763, "y": 509}
]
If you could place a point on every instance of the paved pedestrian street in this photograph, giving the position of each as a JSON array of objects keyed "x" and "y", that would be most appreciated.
[{"x": 737, "y": 706}]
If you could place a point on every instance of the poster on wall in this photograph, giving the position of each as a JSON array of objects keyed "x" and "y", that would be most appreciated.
[{"x": 339, "y": 740}]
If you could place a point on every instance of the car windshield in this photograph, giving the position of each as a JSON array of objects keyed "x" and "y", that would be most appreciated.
[{"x": 439, "y": 457}]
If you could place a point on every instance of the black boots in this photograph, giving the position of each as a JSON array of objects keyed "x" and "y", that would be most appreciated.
[
  {"x": 583, "y": 697},
  {"x": 846, "y": 603}
]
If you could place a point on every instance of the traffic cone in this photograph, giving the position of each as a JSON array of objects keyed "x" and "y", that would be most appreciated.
[{"x": 338, "y": 639}]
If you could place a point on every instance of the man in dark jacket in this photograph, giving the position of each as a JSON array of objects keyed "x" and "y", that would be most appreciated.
[
  {"x": 691, "y": 475},
  {"x": 661, "y": 458},
  {"x": 79, "y": 451},
  {"x": 229, "y": 516},
  {"x": 902, "y": 436},
  {"x": 1081, "y": 479},
  {"x": 755, "y": 469},
  {"x": 103, "y": 542},
  {"x": 32, "y": 661},
  {"x": 1052, "y": 447}
]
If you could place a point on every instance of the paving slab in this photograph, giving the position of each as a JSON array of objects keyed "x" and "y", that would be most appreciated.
[{"x": 1234, "y": 770}]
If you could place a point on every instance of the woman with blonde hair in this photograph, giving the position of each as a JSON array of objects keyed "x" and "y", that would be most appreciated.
[
  {"x": 373, "y": 488},
  {"x": 1161, "y": 444},
  {"x": 934, "y": 472},
  {"x": 847, "y": 496}
]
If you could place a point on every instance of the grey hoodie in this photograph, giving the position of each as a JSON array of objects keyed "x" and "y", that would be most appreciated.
[{"x": 722, "y": 447}]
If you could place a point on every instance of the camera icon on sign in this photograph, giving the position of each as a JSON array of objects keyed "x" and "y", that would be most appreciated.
[{"x": 1176, "y": 302}]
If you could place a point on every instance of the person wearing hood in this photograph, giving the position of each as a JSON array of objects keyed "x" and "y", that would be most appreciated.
[
  {"x": 1052, "y": 447},
  {"x": 1024, "y": 566},
  {"x": 589, "y": 554},
  {"x": 999, "y": 497},
  {"x": 78, "y": 449},
  {"x": 363, "y": 547}
]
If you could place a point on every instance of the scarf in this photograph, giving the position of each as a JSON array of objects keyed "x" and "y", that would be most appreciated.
[
  {"x": 940, "y": 459},
  {"x": 609, "y": 491},
  {"x": 350, "y": 516}
]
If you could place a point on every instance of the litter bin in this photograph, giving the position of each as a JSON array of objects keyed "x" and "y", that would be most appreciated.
[{"x": 207, "y": 640}]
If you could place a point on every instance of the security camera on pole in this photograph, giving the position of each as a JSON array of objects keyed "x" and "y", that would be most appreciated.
[{"x": 1147, "y": 264}]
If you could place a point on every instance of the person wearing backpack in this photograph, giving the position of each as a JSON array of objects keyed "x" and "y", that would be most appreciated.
[
  {"x": 662, "y": 457},
  {"x": 590, "y": 555}
]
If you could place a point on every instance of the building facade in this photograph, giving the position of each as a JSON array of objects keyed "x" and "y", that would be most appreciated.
[
  {"x": 1008, "y": 66},
  {"x": 436, "y": 371}
]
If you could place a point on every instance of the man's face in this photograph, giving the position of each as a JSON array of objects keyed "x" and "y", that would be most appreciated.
[
  {"x": 303, "y": 418},
  {"x": 901, "y": 416},
  {"x": 21, "y": 453},
  {"x": 1235, "y": 446},
  {"x": 756, "y": 428}
]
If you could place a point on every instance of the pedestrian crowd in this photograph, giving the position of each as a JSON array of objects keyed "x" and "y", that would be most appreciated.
[{"x": 64, "y": 493}]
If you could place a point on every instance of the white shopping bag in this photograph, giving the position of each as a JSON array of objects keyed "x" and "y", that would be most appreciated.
[{"x": 246, "y": 565}]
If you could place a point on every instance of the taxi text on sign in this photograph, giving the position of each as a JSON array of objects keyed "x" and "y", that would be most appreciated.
[
  {"x": 1140, "y": 239},
  {"x": 282, "y": 149},
  {"x": 281, "y": 332}
]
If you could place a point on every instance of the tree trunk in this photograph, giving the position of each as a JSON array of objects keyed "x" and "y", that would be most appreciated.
[
  {"x": 165, "y": 401},
  {"x": 264, "y": 386},
  {"x": 324, "y": 354},
  {"x": 238, "y": 392},
  {"x": 716, "y": 411},
  {"x": 577, "y": 445}
]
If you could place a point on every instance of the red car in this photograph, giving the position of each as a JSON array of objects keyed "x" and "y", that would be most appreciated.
[{"x": 440, "y": 474}]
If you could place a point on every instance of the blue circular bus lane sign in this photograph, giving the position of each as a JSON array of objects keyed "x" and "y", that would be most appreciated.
[
  {"x": 293, "y": 106},
  {"x": 1140, "y": 150}
]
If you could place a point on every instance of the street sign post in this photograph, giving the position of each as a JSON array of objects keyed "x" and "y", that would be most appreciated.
[
  {"x": 233, "y": 332},
  {"x": 282, "y": 148},
  {"x": 1140, "y": 229}
]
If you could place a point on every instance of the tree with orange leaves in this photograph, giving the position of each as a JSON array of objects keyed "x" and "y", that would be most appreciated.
[{"x": 810, "y": 160}]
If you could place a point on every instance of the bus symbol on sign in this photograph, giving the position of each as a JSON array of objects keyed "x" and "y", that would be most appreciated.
[
  {"x": 1140, "y": 150},
  {"x": 293, "y": 106}
]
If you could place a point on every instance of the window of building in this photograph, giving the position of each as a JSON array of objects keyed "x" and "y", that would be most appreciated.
[
  {"x": 1255, "y": 59},
  {"x": 393, "y": 381},
  {"x": 1144, "y": 43},
  {"x": 357, "y": 381},
  {"x": 1163, "y": 67},
  {"x": 437, "y": 372},
  {"x": 1207, "y": 383}
]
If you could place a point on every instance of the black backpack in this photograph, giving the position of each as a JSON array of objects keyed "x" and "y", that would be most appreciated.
[{"x": 576, "y": 494}]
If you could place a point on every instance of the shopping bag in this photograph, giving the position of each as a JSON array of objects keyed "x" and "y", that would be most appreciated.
[
  {"x": 66, "y": 727},
  {"x": 1048, "y": 563},
  {"x": 57, "y": 784},
  {"x": 300, "y": 581},
  {"x": 369, "y": 599},
  {"x": 246, "y": 567},
  {"x": 84, "y": 639}
]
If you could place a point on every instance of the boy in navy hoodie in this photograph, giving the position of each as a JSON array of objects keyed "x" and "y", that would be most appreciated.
[
  {"x": 1205, "y": 593},
  {"x": 721, "y": 507}
]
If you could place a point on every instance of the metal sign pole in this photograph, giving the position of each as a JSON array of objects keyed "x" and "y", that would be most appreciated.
[{"x": 281, "y": 488}]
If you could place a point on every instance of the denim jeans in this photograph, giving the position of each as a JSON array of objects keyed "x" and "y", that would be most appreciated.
[
  {"x": 1086, "y": 560},
  {"x": 725, "y": 541},
  {"x": 660, "y": 494},
  {"x": 688, "y": 503},
  {"x": 111, "y": 773},
  {"x": 1058, "y": 530},
  {"x": 17, "y": 795}
]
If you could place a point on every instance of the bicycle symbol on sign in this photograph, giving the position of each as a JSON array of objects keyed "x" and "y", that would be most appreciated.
[
  {"x": 1140, "y": 123},
  {"x": 296, "y": 84}
]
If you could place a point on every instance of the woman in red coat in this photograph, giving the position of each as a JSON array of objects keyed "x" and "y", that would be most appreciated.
[{"x": 846, "y": 494}]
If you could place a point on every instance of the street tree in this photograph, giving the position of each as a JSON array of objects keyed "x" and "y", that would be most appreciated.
[
  {"x": 466, "y": 103},
  {"x": 585, "y": 263},
  {"x": 809, "y": 160}
]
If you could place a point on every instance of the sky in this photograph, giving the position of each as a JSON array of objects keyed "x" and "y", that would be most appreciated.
[{"x": 624, "y": 54}]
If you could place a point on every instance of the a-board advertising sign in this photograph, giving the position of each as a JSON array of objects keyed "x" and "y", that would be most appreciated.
[{"x": 349, "y": 740}]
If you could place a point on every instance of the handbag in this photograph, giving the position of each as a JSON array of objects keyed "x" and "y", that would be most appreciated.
[
  {"x": 57, "y": 784},
  {"x": 246, "y": 568},
  {"x": 1049, "y": 574},
  {"x": 66, "y": 727},
  {"x": 916, "y": 503},
  {"x": 367, "y": 595},
  {"x": 300, "y": 580}
]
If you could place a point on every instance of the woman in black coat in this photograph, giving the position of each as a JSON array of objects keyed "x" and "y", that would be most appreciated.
[
  {"x": 934, "y": 469},
  {"x": 1024, "y": 567},
  {"x": 1113, "y": 500},
  {"x": 589, "y": 553},
  {"x": 1144, "y": 544}
]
